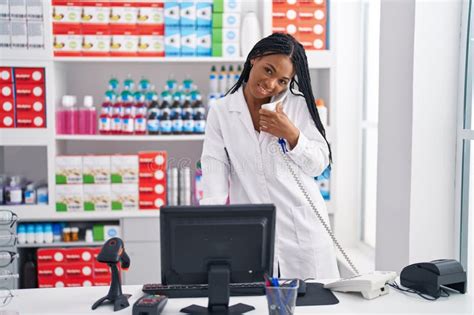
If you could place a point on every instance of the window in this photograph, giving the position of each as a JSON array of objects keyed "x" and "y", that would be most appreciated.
[{"x": 369, "y": 123}]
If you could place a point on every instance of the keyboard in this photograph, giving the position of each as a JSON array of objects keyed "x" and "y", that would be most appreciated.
[{"x": 200, "y": 290}]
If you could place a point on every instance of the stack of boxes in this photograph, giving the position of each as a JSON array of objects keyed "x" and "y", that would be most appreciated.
[
  {"x": 111, "y": 183},
  {"x": 21, "y": 24},
  {"x": 226, "y": 28},
  {"x": 152, "y": 182},
  {"x": 188, "y": 28},
  {"x": 71, "y": 267},
  {"x": 306, "y": 20},
  {"x": 108, "y": 28},
  {"x": 22, "y": 98}
]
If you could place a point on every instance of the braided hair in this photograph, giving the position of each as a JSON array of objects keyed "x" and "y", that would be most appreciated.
[{"x": 285, "y": 44}]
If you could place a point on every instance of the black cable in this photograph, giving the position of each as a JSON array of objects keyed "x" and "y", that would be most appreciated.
[{"x": 423, "y": 295}]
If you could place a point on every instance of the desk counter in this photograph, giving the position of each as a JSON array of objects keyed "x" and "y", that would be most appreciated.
[{"x": 79, "y": 301}]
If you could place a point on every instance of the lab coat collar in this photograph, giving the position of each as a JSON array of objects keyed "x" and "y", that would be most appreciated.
[{"x": 238, "y": 103}]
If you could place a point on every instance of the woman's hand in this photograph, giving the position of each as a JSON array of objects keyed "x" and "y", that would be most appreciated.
[{"x": 279, "y": 125}]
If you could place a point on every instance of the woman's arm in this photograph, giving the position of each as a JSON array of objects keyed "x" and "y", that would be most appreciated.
[{"x": 214, "y": 162}]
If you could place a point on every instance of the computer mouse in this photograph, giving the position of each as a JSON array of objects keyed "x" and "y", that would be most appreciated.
[{"x": 301, "y": 287}]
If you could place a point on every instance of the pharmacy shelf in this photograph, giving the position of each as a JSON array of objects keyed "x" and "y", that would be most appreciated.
[
  {"x": 109, "y": 59},
  {"x": 48, "y": 214},
  {"x": 161, "y": 138},
  {"x": 25, "y": 55},
  {"x": 24, "y": 137},
  {"x": 60, "y": 244}
]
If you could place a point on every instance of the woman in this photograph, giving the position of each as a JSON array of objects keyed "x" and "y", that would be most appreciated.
[{"x": 242, "y": 159}]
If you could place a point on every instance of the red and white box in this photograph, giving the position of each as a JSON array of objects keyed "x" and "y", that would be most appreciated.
[
  {"x": 29, "y": 75},
  {"x": 151, "y": 16},
  {"x": 96, "y": 42},
  {"x": 102, "y": 281},
  {"x": 123, "y": 14},
  {"x": 67, "y": 12},
  {"x": 152, "y": 201},
  {"x": 50, "y": 256},
  {"x": 95, "y": 13},
  {"x": 151, "y": 44},
  {"x": 35, "y": 90},
  {"x": 67, "y": 40},
  {"x": 7, "y": 106},
  {"x": 80, "y": 254},
  {"x": 30, "y": 120},
  {"x": 6, "y": 91},
  {"x": 7, "y": 120},
  {"x": 51, "y": 282},
  {"x": 30, "y": 105},
  {"x": 152, "y": 179},
  {"x": 6, "y": 75},
  {"x": 124, "y": 42}
]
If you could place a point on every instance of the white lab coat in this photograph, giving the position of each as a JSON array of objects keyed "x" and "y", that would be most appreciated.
[{"x": 255, "y": 172}]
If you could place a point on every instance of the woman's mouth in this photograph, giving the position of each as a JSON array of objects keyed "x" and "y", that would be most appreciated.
[{"x": 262, "y": 91}]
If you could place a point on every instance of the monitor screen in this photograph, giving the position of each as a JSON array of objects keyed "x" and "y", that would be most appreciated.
[{"x": 238, "y": 236}]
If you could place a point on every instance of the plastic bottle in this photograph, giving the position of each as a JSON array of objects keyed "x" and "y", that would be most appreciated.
[
  {"x": 230, "y": 78},
  {"x": 30, "y": 194},
  {"x": 151, "y": 94},
  {"x": 140, "y": 125},
  {"x": 171, "y": 84},
  {"x": 198, "y": 189},
  {"x": 165, "y": 124},
  {"x": 21, "y": 233},
  {"x": 113, "y": 84},
  {"x": 128, "y": 119},
  {"x": 153, "y": 121},
  {"x": 144, "y": 84},
  {"x": 213, "y": 81},
  {"x": 88, "y": 117},
  {"x": 211, "y": 102},
  {"x": 64, "y": 116},
  {"x": 128, "y": 83},
  {"x": 29, "y": 276},
  {"x": 39, "y": 237},
  {"x": 140, "y": 105},
  {"x": 74, "y": 123},
  {"x": 222, "y": 81},
  {"x": 116, "y": 121},
  {"x": 48, "y": 233},
  {"x": 250, "y": 26},
  {"x": 42, "y": 194},
  {"x": 323, "y": 111},
  {"x": 57, "y": 232},
  {"x": 165, "y": 108},
  {"x": 105, "y": 117},
  {"x": 14, "y": 192},
  {"x": 188, "y": 85},
  {"x": 166, "y": 96},
  {"x": 30, "y": 233},
  {"x": 176, "y": 123},
  {"x": 188, "y": 123},
  {"x": 199, "y": 123}
]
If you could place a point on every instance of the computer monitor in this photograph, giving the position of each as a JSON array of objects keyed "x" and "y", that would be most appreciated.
[{"x": 217, "y": 245}]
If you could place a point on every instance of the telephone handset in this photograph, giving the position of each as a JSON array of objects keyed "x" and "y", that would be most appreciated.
[
  {"x": 370, "y": 285},
  {"x": 277, "y": 99}
]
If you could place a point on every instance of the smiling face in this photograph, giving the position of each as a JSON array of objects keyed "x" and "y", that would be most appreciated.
[{"x": 269, "y": 76}]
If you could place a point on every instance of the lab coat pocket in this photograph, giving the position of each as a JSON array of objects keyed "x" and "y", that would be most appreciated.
[{"x": 305, "y": 231}]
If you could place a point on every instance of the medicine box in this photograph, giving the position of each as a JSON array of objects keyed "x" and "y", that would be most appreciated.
[
  {"x": 68, "y": 170},
  {"x": 188, "y": 41},
  {"x": 125, "y": 197},
  {"x": 66, "y": 11},
  {"x": 172, "y": 41},
  {"x": 226, "y": 49},
  {"x": 34, "y": 10},
  {"x": 227, "y": 6},
  {"x": 203, "y": 42},
  {"x": 96, "y": 169},
  {"x": 97, "y": 197},
  {"x": 203, "y": 14},
  {"x": 124, "y": 169},
  {"x": 225, "y": 35},
  {"x": 95, "y": 13},
  {"x": 172, "y": 14},
  {"x": 69, "y": 198},
  {"x": 224, "y": 20},
  {"x": 187, "y": 13}
]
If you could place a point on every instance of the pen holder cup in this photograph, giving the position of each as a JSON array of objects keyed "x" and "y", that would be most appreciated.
[{"x": 282, "y": 299}]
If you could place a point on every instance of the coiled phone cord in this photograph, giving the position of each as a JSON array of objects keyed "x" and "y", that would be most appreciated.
[{"x": 315, "y": 210}]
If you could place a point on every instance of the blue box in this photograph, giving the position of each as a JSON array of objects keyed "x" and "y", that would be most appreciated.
[
  {"x": 172, "y": 14},
  {"x": 188, "y": 13},
  {"x": 188, "y": 41},
  {"x": 172, "y": 42},
  {"x": 204, "y": 14},
  {"x": 203, "y": 41}
]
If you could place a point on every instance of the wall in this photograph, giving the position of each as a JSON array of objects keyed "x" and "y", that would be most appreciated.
[{"x": 417, "y": 120}]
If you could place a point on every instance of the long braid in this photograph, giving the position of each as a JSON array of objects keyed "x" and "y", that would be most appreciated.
[{"x": 286, "y": 44}]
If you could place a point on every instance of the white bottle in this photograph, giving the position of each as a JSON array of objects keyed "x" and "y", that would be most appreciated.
[
  {"x": 323, "y": 111},
  {"x": 251, "y": 29}
]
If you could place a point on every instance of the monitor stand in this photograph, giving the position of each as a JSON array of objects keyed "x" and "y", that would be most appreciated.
[{"x": 218, "y": 280}]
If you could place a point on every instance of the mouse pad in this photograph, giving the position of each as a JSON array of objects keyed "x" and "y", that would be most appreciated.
[{"x": 316, "y": 294}]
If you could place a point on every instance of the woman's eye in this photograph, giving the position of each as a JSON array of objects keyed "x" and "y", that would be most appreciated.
[
  {"x": 269, "y": 71},
  {"x": 283, "y": 82}
]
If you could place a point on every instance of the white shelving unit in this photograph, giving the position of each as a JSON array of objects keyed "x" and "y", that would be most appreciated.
[{"x": 88, "y": 76}]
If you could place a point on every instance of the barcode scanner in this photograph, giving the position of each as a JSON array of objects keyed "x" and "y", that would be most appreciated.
[{"x": 113, "y": 252}]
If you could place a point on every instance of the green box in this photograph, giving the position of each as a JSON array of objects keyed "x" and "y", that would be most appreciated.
[
  {"x": 218, "y": 6},
  {"x": 216, "y": 35},
  {"x": 98, "y": 232},
  {"x": 217, "y": 20},
  {"x": 216, "y": 50}
]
